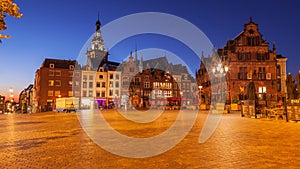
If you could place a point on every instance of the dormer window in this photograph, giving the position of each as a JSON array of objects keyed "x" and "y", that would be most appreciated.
[
  {"x": 71, "y": 67},
  {"x": 51, "y": 65}
]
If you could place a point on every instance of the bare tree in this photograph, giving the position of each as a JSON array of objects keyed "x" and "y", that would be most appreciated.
[{"x": 7, "y": 7}]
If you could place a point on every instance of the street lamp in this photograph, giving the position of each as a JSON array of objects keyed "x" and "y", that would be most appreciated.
[
  {"x": 220, "y": 72},
  {"x": 200, "y": 87}
]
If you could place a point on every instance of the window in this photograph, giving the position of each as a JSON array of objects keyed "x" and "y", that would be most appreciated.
[
  {"x": 111, "y": 76},
  {"x": 70, "y": 83},
  {"x": 131, "y": 69},
  {"x": 168, "y": 85},
  {"x": 50, "y": 92},
  {"x": 100, "y": 76},
  {"x": 116, "y": 92},
  {"x": 117, "y": 84},
  {"x": 51, "y": 65},
  {"x": 84, "y": 85},
  {"x": 147, "y": 84},
  {"x": 98, "y": 84},
  {"x": 51, "y": 83},
  {"x": 84, "y": 77},
  {"x": 242, "y": 75},
  {"x": 168, "y": 93},
  {"x": 261, "y": 73},
  {"x": 70, "y": 93},
  {"x": 103, "y": 84},
  {"x": 262, "y": 90},
  {"x": 77, "y": 74},
  {"x": 110, "y": 92},
  {"x": 117, "y": 76},
  {"x": 57, "y": 83},
  {"x": 111, "y": 84},
  {"x": 90, "y": 84},
  {"x": 57, "y": 93},
  {"x": 77, "y": 83},
  {"x": 51, "y": 72},
  {"x": 97, "y": 94},
  {"x": 103, "y": 93},
  {"x": 91, "y": 77},
  {"x": 57, "y": 73},
  {"x": 84, "y": 94},
  {"x": 71, "y": 67},
  {"x": 90, "y": 93},
  {"x": 71, "y": 73},
  {"x": 77, "y": 93}
]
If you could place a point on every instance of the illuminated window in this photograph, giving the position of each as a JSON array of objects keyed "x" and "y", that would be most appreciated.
[
  {"x": 90, "y": 93},
  {"x": 50, "y": 92},
  {"x": 147, "y": 84},
  {"x": 57, "y": 93},
  {"x": 51, "y": 83},
  {"x": 70, "y": 93},
  {"x": 70, "y": 83}
]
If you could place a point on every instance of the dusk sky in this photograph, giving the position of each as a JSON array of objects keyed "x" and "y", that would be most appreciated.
[{"x": 60, "y": 28}]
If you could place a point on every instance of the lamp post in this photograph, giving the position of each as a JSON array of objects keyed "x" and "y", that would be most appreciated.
[
  {"x": 181, "y": 93},
  {"x": 200, "y": 98},
  {"x": 11, "y": 90},
  {"x": 220, "y": 71}
]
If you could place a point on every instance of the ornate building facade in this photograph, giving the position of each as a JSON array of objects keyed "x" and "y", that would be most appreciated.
[
  {"x": 248, "y": 58},
  {"x": 156, "y": 82}
]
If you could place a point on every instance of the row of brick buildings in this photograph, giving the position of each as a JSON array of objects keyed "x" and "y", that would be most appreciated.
[
  {"x": 151, "y": 83},
  {"x": 100, "y": 82}
]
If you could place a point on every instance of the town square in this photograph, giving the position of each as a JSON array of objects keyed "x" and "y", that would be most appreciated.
[{"x": 140, "y": 84}]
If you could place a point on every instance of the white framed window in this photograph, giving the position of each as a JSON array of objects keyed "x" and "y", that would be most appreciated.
[
  {"x": 57, "y": 73},
  {"x": 51, "y": 72},
  {"x": 71, "y": 67},
  {"x": 57, "y": 83},
  {"x": 51, "y": 65}
]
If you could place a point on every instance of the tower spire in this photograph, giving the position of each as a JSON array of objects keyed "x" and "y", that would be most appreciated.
[{"x": 98, "y": 23}]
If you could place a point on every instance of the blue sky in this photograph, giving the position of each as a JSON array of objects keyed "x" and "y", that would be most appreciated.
[{"x": 60, "y": 28}]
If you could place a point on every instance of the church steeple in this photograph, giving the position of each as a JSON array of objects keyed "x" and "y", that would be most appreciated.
[{"x": 98, "y": 23}]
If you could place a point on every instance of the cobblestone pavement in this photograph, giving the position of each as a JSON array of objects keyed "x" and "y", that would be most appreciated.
[{"x": 56, "y": 140}]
